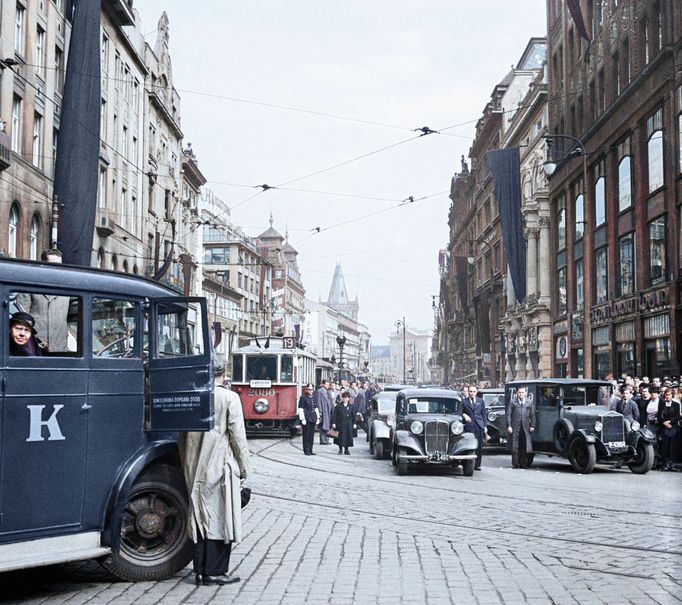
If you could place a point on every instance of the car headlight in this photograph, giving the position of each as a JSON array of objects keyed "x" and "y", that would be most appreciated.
[
  {"x": 492, "y": 416},
  {"x": 417, "y": 427},
  {"x": 598, "y": 426},
  {"x": 457, "y": 428},
  {"x": 635, "y": 425},
  {"x": 261, "y": 406}
]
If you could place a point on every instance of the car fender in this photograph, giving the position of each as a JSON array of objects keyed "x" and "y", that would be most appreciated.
[
  {"x": 644, "y": 433},
  {"x": 407, "y": 440},
  {"x": 583, "y": 434},
  {"x": 156, "y": 451},
  {"x": 380, "y": 430},
  {"x": 467, "y": 442}
]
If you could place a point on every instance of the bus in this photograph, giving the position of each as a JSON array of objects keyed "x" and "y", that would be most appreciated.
[
  {"x": 269, "y": 374},
  {"x": 89, "y": 464}
]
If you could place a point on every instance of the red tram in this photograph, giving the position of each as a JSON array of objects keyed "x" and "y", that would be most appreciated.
[{"x": 269, "y": 375}]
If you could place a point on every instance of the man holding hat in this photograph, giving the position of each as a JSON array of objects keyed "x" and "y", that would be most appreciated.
[
  {"x": 309, "y": 415},
  {"x": 23, "y": 340}
]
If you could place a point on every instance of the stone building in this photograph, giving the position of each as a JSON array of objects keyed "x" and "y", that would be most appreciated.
[
  {"x": 410, "y": 350},
  {"x": 615, "y": 118},
  {"x": 33, "y": 38}
]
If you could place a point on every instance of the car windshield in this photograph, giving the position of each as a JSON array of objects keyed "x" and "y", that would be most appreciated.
[
  {"x": 432, "y": 405},
  {"x": 493, "y": 399},
  {"x": 386, "y": 404}
]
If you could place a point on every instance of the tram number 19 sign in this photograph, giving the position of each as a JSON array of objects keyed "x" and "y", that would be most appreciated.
[{"x": 288, "y": 342}]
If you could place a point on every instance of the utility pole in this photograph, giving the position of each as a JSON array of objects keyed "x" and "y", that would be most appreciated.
[{"x": 398, "y": 325}]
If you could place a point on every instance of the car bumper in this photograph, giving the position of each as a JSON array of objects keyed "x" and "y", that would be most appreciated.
[{"x": 438, "y": 457}]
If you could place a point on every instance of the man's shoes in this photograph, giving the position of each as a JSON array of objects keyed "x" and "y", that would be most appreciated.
[
  {"x": 477, "y": 468},
  {"x": 340, "y": 452},
  {"x": 312, "y": 454},
  {"x": 198, "y": 579},
  {"x": 515, "y": 466},
  {"x": 220, "y": 580},
  {"x": 347, "y": 453},
  {"x": 306, "y": 453}
]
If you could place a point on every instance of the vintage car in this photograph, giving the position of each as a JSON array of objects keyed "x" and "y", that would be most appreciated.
[
  {"x": 381, "y": 423},
  {"x": 429, "y": 430},
  {"x": 495, "y": 406},
  {"x": 574, "y": 421}
]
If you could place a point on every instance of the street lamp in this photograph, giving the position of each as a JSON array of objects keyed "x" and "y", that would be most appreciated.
[
  {"x": 578, "y": 149},
  {"x": 472, "y": 259},
  {"x": 340, "y": 340},
  {"x": 398, "y": 325}
]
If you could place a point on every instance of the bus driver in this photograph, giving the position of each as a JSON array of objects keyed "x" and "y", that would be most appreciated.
[{"x": 23, "y": 340}]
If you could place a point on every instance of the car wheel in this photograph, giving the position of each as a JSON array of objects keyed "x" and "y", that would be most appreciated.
[
  {"x": 644, "y": 458},
  {"x": 379, "y": 449},
  {"x": 582, "y": 456},
  {"x": 152, "y": 529},
  {"x": 402, "y": 462},
  {"x": 468, "y": 466},
  {"x": 371, "y": 446},
  {"x": 393, "y": 456},
  {"x": 561, "y": 435}
]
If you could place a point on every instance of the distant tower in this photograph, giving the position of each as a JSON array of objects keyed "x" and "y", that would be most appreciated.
[{"x": 338, "y": 296}]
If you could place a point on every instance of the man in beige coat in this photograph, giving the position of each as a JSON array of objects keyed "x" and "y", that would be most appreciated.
[{"x": 215, "y": 463}]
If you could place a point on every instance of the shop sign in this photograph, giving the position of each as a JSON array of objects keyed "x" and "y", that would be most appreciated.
[
  {"x": 561, "y": 327},
  {"x": 628, "y": 306}
]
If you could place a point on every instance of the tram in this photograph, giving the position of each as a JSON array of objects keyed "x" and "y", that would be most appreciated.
[{"x": 269, "y": 374}]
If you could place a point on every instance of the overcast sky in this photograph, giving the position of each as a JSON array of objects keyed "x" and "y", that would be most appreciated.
[{"x": 390, "y": 65}]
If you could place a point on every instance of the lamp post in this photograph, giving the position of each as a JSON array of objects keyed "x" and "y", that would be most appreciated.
[
  {"x": 550, "y": 166},
  {"x": 340, "y": 340},
  {"x": 398, "y": 325}
]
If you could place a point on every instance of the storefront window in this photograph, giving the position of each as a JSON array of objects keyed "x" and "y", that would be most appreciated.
[
  {"x": 602, "y": 364},
  {"x": 626, "y": 266},
  {"x": 657, "y": 260},
  {"x": 601, "y": 275}
]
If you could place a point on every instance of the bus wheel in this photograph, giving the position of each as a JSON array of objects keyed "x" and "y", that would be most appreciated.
[{"x": 153, "y": 541}]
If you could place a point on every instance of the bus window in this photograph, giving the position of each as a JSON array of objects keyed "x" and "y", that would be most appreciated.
[
  {"x": 113, "y": 328},
  {"x": 287, "y": 369},
  {"x": 57, "y": 321},
  {"x": 176, "y": 332},
  {"x": 261, "y": 367},
  {"x": 238, "y": 368}
]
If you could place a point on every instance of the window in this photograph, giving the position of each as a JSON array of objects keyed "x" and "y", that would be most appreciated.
[
  {"x": 19, "y": 18},
  {"x": 102, "y": 188},
  {"x": 657, "y": 258},
  {"x": 579, "y": 216},
  {"x": 679, "y": 129},
  {"x": 57, "y": 321},
  {"x": 562, "y": 299},
  {"x": 624, "y": 176},
  {"x": 34, "y": 237},
  {"x": 55, "y": 143},
  {"x": 645, "y": 39},
  {"x": 113, "y": 328},
  {"x": 561, "y": 225},
  {"x": 125, "y": 150},
  {"x": 579, "y": 284},
  {"x": 599, "y": 202},
  {"x": 16, "y": 124},
  {"x": 105, "y": 53},
  {"x": 40, "y": 52},
  {"x": 626, "y": 265},
  {"x": 218, "y": 256},
  {"x": 177, "y": 330},
  {"x": 13, "y": 230},
  {"x": 601, "y": 275},
  {"x": 654, "y": 127},
  {"x": 37, "y": 140},
  {"x": 100, "y": 258}
]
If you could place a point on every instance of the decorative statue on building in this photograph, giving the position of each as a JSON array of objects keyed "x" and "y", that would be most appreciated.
[{"x": 532, "y": 338}]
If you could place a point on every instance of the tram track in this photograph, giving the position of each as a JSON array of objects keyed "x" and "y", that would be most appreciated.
[{"x": 605, "y": 511}]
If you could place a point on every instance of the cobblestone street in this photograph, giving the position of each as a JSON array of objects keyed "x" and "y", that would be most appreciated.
[{"x": 339, "y": 529}]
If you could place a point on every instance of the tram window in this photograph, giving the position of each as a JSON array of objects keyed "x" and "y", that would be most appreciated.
[
  {"x": 57, "y": 321},
  {"x": 113, "y": 328},
  {"x": 176, "y": 331},
  {"x": 237, "y": 368},
  {"x": 287, "y": 369},
  {"x": 261, "y": 367}
]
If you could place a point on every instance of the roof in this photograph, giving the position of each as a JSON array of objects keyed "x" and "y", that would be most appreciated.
[{"x": 545, "y": 381}]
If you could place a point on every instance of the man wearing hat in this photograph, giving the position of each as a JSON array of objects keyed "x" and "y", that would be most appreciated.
[
  {"x": 309, "y": 415},
  {"x": 23, "y": 340}
]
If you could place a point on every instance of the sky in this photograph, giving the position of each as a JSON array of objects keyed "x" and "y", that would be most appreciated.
[{"x": 293, "y": 94}]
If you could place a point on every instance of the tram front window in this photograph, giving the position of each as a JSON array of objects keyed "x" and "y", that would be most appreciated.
[
  {"x": 287, "y": 371},
  {"x": 261, "y": 367}
]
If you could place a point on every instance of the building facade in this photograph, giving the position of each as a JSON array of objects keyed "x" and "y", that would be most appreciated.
[{"x": 615, "y": 120}]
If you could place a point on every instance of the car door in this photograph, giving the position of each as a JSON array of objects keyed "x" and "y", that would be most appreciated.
[
  {"x": 547, "y": 410},
  {"x": 179, "y": 387}
]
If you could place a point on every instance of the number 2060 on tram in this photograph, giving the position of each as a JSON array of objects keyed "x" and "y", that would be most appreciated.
[{"x": 89, "y": 414}]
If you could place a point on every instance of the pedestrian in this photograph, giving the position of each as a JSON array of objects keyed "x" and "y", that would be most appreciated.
[
  {"x": 344, "y": 423},
  {"x": 520, "y": 425},
  {"x": 325, "y": 403},
  {"x": 626, "y": 405},
  {"x": 361, "y": 403},
  {"x": 23, "y": 341},
  {"x": 475, "y": 418},
  {"x": 667, "y": 420},
  {"x": 309, "y": 414},
  {"x": 215, "y": 463}
]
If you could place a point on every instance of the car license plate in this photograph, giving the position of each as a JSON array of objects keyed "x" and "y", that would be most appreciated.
[
  {"x": 616, "y": 444},
  {"x": 444, "y": 457}
]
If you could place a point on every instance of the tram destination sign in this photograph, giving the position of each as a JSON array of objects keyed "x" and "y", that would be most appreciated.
[{"x": 640, "y": 303}]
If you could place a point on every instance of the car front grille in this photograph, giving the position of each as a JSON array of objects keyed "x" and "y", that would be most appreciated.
[
  {"x": 613, "y": 428},
  {"x": 436, "y": 434}
]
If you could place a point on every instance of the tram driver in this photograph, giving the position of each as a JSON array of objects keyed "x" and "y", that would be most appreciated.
[{"x": 23, "y": 340}]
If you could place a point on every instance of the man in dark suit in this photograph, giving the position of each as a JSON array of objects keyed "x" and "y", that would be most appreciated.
[{"x": 475, "y": 418}]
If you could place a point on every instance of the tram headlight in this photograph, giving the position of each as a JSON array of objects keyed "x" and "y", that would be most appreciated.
[
  {"x": 417, "y": 427},
  {"x": 261, "y": 405}
]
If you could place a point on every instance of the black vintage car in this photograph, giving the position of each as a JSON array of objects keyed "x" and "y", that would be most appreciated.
[
  {"x": 381, "y": 423},
  {"x": 574, "y": 421},
  {"x": 495, "y": 406},
  {"x": 429, "y": 430}
]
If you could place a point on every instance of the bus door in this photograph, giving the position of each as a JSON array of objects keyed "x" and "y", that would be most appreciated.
[
  {"x": 179, "y": 389},
  {"x": 44, "y": 418}
]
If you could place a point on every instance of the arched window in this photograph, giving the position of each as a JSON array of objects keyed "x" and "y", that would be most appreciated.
[
  {"x": 579, "y": 216},
  {"x": 100, "y": 258},
  {"x": 125, "y": 266},
  {"x": 135, "y": 270},
  {"x": 34, "y": 237},
  {"x": 654, "y": 126},
  {"x": 561, "y": 229},
  {"x": 114, "y": 262},
  {"x": 12, "y": 242},
  {"x": 599, "y": 202}
]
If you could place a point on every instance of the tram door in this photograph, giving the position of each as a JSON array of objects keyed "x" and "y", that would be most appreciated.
[{"x": 44, "y": 419}]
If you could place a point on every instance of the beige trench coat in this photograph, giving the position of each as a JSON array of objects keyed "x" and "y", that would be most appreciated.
[{"x": 213, "y": 463}]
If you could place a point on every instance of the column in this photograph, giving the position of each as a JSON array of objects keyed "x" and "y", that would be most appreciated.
[
  {"x": 544, "y": 261},
  {"x": 532, "y": 261}
]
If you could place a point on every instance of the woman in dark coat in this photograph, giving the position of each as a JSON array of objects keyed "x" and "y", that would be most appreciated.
[
  {"x": 344, "y": 420},
  {"x": 23, "y": 341},
  {"x": 520, "y": 425}
]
